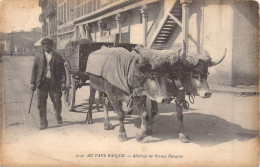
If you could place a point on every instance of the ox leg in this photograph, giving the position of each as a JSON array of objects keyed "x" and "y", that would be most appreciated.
[
  {"x": 89, "y": 119},
  {"x": 145, "y": 117},
  {"x": 121, "y": 116},
  {"x": 100, "y": 101},
  {"x": 114, "y": 95},
  {"x": 117, "y": 104},
  {"x": 154, "y": 111},
  {"x": 107, "y": 124},
  {"x": 184, "y": 138}
]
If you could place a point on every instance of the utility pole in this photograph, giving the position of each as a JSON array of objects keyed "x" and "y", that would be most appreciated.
[{"x": 12, "y": 49}]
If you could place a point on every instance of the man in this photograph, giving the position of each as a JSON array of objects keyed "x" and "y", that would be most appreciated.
[{"x": 48, "y": 76}]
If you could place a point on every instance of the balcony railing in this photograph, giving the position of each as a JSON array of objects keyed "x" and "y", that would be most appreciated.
[{"x": 108, "y": 38}]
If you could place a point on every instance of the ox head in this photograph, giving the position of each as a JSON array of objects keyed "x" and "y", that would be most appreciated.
[
  {"x": 195, "y": 79},
  {"x": 153, "y": 82}
]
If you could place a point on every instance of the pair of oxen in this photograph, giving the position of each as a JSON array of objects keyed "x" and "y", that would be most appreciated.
[{"x": 127, "y": 78}]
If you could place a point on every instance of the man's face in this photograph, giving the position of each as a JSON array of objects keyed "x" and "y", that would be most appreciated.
[{"x": 47, "y": 47}]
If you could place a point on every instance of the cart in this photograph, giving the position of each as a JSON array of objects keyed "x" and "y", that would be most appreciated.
[{"x": 76, "y": 55}]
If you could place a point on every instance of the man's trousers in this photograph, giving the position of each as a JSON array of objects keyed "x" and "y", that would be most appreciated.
[{"x": 55, "y": 95}]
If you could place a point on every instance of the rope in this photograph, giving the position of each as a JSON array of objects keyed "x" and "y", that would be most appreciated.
[{"x": 191, "y": 97}]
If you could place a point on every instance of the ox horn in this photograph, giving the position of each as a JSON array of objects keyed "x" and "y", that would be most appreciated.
[
  {"x": 182, "y": 57},
  {"x": 213, "y": 63},
  {"x": 141, "y": 58}
]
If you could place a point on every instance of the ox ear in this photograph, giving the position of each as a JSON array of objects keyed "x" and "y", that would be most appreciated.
[
  {"x": 140, "y": 56},
  {"x": 213, "y": 63}
]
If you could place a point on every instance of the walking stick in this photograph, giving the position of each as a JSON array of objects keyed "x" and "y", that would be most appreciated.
[{"x": 30, "y": 103}]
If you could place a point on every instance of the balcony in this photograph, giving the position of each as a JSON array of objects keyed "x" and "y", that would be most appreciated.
[
  {"x": 42, "y": 18},
  {"x": 50, "y": 10},
  {"x": 42, "y": 2}
]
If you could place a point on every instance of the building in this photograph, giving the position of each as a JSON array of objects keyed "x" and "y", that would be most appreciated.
[
  {"x": 210, "y": 25},
  {"x": 37, "y": 29},
  {"x": 2, "y": 48},
  {"x": 48, "y": 19},
  {"x": 19, "y": 43}
]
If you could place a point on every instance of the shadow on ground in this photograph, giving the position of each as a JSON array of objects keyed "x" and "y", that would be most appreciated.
[{"x": 203, "y": 129}]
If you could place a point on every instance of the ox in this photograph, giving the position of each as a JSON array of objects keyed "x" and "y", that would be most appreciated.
[
  {"x": 123, "y": 76},
  {"x": 191, "y": 74}
]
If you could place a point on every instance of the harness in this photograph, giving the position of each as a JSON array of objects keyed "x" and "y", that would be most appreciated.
[{"x": 180, "y": 93}]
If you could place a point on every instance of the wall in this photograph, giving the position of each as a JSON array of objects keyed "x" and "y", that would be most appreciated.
[
  {"x": 245, "y": 50},
  {"x": 136, "y": 32},
  {"x": 210, "y": 29},
  {"x": 215, "y": 25},
  {"x": 217, "y": 34},
  {"x": 62, "y": 40}
]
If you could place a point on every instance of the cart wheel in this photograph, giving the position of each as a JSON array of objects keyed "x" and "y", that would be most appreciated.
[{"x": 70, "y": 92}]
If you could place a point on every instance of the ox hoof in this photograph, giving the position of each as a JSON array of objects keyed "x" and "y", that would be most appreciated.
[
  {"x": 130, "y": 112},
  {"x": 149, "y": 132},
  {"x": 108, "y": 126},
  {"x": 122, "y": 137},
  {"x": 183, "y": 138},
  {"x": 98, "y": 109},
  {"x": 89, "y": 121},
  {"x": 140, "y": 137}
]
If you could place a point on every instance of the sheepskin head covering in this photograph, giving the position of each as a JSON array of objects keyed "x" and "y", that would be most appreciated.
[{"x": 158, "y": 58}]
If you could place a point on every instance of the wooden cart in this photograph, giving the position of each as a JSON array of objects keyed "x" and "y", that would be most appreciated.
[{"x": 76, "y": 55}]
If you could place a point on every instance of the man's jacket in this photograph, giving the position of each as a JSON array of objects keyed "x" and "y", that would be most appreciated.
[{"x": 40, "y": 68}]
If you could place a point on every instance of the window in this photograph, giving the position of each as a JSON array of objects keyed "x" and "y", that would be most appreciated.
[
  {"x": 68, "y": 10},
  {"x": 58, "y": 15},
  {"x": 89, "y": 6},
  {"x": 94, "y": 5},
  {"x": 62, "y": 7},
  {"x": 65, "y": 12}
]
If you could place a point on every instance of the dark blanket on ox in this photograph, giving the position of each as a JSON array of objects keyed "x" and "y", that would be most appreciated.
[{"x": 115, "y": 65}]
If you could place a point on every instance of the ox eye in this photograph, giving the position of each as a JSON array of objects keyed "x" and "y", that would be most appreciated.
[{"x": 169, "y": 80}]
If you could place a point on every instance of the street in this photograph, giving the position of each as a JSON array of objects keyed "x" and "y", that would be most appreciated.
[{"x": 223, "y": 131}]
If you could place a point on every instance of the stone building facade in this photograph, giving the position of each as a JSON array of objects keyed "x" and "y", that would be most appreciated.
[
  {"x": 48, "y": 18},
  {"x": 210, "y": 25}
]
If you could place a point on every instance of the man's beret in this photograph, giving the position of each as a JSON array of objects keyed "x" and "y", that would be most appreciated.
[{"x": 46, "y": 41}]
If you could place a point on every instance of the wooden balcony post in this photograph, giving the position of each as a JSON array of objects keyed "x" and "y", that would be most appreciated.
[
  {"x": 144, "y": 23},
  {"x": 82, "y": 32},
  {"x": 118, "y": 19},
  {"x": 100, "y": 22},
  {"x": 185, "y": 22},
  {"x": 87, "y": 27},
  {"x": 76, "y": 33}
]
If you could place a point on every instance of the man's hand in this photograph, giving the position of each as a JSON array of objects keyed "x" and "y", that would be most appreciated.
[
  {"x": 33, "y": 87},
  {"x": 63, "y": 86}
]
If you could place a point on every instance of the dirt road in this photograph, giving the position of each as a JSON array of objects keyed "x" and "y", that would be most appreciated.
[{"x": 223, "y": 130}]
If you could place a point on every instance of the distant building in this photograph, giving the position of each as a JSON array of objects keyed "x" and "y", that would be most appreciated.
[
  {"x": 2, "y": 48},
  {"x": 210, "y": 25},
  {"x": 20, "y": 43},
  {"x": 37, "y": 29}
]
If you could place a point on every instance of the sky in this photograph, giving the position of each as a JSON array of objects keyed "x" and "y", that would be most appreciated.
[{"x": 17, "y": 15}]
